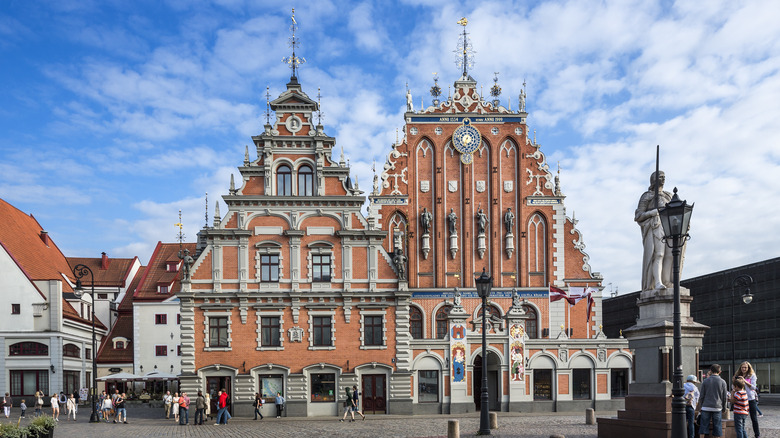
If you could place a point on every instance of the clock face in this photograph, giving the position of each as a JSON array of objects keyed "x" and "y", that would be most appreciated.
[{"x": 466, "y": 138}]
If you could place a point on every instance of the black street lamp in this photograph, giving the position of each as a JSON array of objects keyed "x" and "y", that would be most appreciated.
[
  {"x": 80, "y": 271},
  {"x": 742, "y": 282},
  {"x": 675, "y": 219},
  {"x": 484, "y": 283}
]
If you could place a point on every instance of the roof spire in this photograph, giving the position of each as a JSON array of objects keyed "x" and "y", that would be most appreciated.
[
  {"x": 232, "y": 185},
  {"x": 267, "y": 105},
  {"x": 216, "y": 215},
  {"x": 436, "y": 89},
  {"x": 465, "y": 52},
  {"x": 246, "y": 155},
  {"x": 319, "y": 107},
  {"x": 207, "y": 211},
  {"x": 180, "y": 236},
  {"x": 495, "y": 90},
  {"x": 293, "y": 61}
]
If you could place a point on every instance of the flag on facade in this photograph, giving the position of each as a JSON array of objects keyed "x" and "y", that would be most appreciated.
[
  {"x": 576, "y": 294},
  {"x": 589, "y": 292},
  {"x": 557, "y": 294}
]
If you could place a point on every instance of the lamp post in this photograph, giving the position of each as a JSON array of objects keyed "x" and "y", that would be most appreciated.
[
  {"x": 675, "y": 218},
  {"x": 742, "y": 282},
  {"x": 484, "y": 283},
  {"x": 81, "y": 271}
]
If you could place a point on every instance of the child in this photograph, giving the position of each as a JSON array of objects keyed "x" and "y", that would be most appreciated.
[
  {"x": 24, "y": 407},
  {"x": 739, "y": 400}
]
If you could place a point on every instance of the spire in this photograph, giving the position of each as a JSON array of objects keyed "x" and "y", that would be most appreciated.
[
  {"x": 319, "y": 107},
  {"x": 293, "y": 61},
  {"x": 180, "y": 235},
  {"x": 495, "y": 90},
  {"x": 217, "y": 218},
  {"x": 464, "y": 51},
  {"x": 232, "y": 185},
  {"x": 342, "y": 162},
  {"x": 207, "y": 211},
  {"x": 246, "y": 155},
  {"x": 558, "y": 181},
  {"x": 267, "y": 105},
  {"x": 436, "y": 89}
]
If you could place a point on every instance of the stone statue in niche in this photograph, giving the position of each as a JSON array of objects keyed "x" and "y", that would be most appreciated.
[
  {"x": 399, "y": 260},
  {"x": 509, "y": 220},
  {"x": 482, "y": 221},
  {"x": 452, "y": 221},
  {"x": 425, "y": 221},
  {"x": 457, "y": 298},
  {"x": 657, "y": 256}
]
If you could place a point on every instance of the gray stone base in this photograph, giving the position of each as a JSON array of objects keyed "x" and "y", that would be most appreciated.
[
  {"x": 462, "y": 408},
  {"x": 400, "y": 407},
  {"x": 428, "y": 409}
]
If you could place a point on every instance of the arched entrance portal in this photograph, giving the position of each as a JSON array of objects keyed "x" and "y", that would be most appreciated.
[{"x": 493, "y": 373}]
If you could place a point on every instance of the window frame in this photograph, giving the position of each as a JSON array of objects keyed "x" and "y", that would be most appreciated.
[
  {"x": 442, "y": 317},
  {"x": 531, "y": 325},
  {"x": 317, "y": 382},
  {"x": 420, "y": 392},
  {"x": 267, "y": 328},
  {"x": 160, "y": 350},
  {"x": 160, "y": 319},
  {"x": 17, "y": 377},
  {"x": 71, "y": 350},
  {"x": 306, "y": 184},
  {"x": 373, "y": 333},
  {"x": 16, "y": 309},
  {"x": 217, "y": 343},
  {"x": 267, "y": 276},
  {"x": 318, "y": 331},
  {"x": 581, "y": 384},
  {"x": 416, "y": 325},
  {"x": 538, "y": 394},
  {"x": 284, "y": 180},
  {"x": 317, "y": 275},
  {"x": 28, "y": 348}
]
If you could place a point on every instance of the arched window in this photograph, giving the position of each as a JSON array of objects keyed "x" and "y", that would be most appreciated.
[
  {"x": 492, "y": 312},
  {"x": 305, "y": 181},
  {"x": 531, "y": 324},
  {"x": 537, "y": 250},
  {"x": 442, "y": 322},
  {"x": 283, "y": 181},
  {"x": 70, "y": 350},
  {"x": 416, "y": 323},
  {"x": 29, "y": 349}
]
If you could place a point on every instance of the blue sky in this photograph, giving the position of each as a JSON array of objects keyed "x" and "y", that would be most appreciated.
[{"x": 114, "y": 115}]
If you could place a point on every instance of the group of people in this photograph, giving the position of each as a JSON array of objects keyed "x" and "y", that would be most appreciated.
[
  {"x": 113, "y": 406},
  {"x": 58, "y": 402},
  {"x": 710, "y": 402},
  {"x": 352, "y": 404},
  {"x": 178, "y": 407}
]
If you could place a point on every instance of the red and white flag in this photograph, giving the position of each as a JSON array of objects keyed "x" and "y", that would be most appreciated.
[
  {"x": 589, "y": 292},
  {"x": 576, "y": 294},
  {"x": 557, "y": 294}
]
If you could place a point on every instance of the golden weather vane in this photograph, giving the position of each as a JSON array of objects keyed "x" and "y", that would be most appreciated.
[{"x": 464, "y": 51}]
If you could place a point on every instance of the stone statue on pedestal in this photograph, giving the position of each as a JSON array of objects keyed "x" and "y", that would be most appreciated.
[
  {"x": 657, "y": 256},
  {"x": 425, "y": 221}
]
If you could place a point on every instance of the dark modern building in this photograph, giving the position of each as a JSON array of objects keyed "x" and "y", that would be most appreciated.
[{"x": 756, "y": 324}]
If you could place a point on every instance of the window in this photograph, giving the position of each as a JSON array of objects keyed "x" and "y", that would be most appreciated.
[
  {"x": 619, "y": 378},
  {"x": 172, "y": 266},
  {"x": 120, "y": 345},
  {"x": 581, "y": 384},
  {"x": 416, "y": 323},
  {"x": 531, "y": 327},
  {"x": 305, "y": 181},
  {"x": 178, "y": 350},
  {"x": 542, "y": 384},
  {"x": 283, "y": 181},
  {"x": 161, "y": 318},
  {"x": 25, "y": 383},
  {"x": 373, "y": 330},
  {"x": 70, "y": 350},
  {"x": 29, "y": 349},
  {"x": 218, "y": 331},
  {"x": 16, "y": 309},
  {"x": 428, "y": 386},
  {"x": 270, "y": 327},
  {"x": 323, "y": 387},
  {"x": 442, "y": 322},
  {"x": 537, "y": 248},
  {"x": 269, "y": 268},
  {"x": 270, "y": 384},
  {"x": 88, "y": 354},
  {"x": 178, "y": 318},
  {"x": 160, "y": 350},
  {"x": 162, "y": 289},
  {"x": 71, "y": 381},
  {"x": 320, "y": 264},
  {"x": 322, "y": 331},
  {"x": 102, "y": 296}
]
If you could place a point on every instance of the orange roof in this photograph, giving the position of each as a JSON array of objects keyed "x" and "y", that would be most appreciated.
[
  {"x": 122, "y": 327},
  {"x": 156, "y": 273},
  {"x": 116, "y": 274},
  {"x": 36, "y": 254}
]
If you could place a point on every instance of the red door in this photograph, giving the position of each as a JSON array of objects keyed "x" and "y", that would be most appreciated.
[{"x": 374, "y": 398}]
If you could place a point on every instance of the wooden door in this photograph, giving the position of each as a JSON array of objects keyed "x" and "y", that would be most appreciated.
[
  {"x": 213, "y": 386},
  {"x": 374, "y": 397}
]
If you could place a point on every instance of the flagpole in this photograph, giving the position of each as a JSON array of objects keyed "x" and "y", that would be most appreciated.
[{"x": 549, "y": 312}]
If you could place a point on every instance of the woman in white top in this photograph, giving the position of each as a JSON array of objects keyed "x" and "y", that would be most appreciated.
[
  {"x": 107, "y": 406},
  {"x": 55, "y": 407},
  {"x": 71, "y": 405},
  {"x": 175, "y": 407}
]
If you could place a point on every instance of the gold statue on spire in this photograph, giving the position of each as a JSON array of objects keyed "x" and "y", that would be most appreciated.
[{"x": 463, "y": 21}]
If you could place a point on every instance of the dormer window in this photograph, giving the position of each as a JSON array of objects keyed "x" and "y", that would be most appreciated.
[
  {"x": 120, "y": 345},
  {"x": 173, "y": 267},
  {"x": 162, "y": 288},
  {"x": 284, "y": 181}
]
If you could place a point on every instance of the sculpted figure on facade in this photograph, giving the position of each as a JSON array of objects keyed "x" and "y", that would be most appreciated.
[
  {"x": 657, "y": 256},
  {"x": 522, "y": 101},
  {"x": 187, "y": 262},
  {"x": 399, "y": 260},
  {"x": 482, "y": 221},
  {"x": 509, "y": 220},
  {"x": 425, "y": 221},
  {"x": 409, "y": 104},
  {"x": 452, "y": 221}
]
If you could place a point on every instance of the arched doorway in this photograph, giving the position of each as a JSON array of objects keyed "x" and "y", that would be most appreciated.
[{"x": 494, "y": 384}]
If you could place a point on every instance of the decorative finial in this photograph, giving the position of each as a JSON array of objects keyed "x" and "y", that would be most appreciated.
[
  {"x": 207, "y": 211},
  {"x": 293, "y": 61},
  {"x": 465, "y": 53},
  {"x": 267, "y": 105},
  {"x": 246, "y": 155},
  {"x": 341, "y": 158},
  {"x": 495, "y": 90},
  {"x": 558, "y": 181},
  {"x": 180, "y": 236},
  {"x": 217, "y": 217},
  {"x": 534, "y": 136},
  {"x": 232, "y": 185},
  {"x": 319, "y": 107},
  {"x": 376, "y": 178},
  {"x": 436, "y": 89}
]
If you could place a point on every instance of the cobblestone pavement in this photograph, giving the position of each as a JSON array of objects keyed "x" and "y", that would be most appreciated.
[{"x": 146, "y": 423}]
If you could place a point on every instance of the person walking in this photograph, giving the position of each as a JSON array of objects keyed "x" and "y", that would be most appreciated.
[
  {"x": 175, "y": 407},
  {"x": 712, "y": 403},
  {"x": 739, "y": 401},
  {"x": 207, "y": 396},
  {"x": 121, "y": 412},
  {"x": 168, "y": 402},
  {"x": 223, "y": 415},
  {"x": 258, "y": 404},
  {"x": 200, "y": 406},
  {"x": 751, "y": 388},
  {"x": 38, "y": 403},
  {"x": 356, "y": 401},
  {"x": 184, "y": 409},
  {"x": 107, "y": 407},
  {"x": 691, "y": 397},
  {"x": 23, "y": 406},
  {"x": 349, "y": 405},
  {"x": 7, "y": 403},
  {"x": 55, "y": 407},
  {"x": 70, "y": 406},
  {"x": 279, "y": 404}
]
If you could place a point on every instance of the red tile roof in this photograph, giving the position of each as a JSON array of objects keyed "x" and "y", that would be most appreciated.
[
  {"x": 116, "y": 274},
  {"x": 38, "y": 257},
  {"x": 122, "y": 327},
  {"x": 157, "y": 273}
]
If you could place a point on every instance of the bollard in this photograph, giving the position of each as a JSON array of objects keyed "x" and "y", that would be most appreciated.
[
  {"x": 590, "y": 416},
  {"x": 493, "y": 420},
  {"x": 453, "y": 429}
]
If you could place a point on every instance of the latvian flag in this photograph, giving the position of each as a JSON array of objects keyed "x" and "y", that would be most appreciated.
[
  {"x": 576, "y": 294},
  {"x": 558, "y": 294},
  {"x": 590, "y": 291}
]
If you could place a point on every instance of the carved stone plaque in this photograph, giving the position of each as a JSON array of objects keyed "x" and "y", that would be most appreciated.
[
  {"x": 452, "y": 186},
  {"x": 508, "y": 186},
  {"x": 295, "y": 334},
  {"x": 425, "y": 186},
  {"x": 480, "y": 186}
]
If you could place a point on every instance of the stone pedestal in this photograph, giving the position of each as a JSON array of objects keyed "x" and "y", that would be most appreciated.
[
  {"x": 426, "y": 245},
  {"x": 481, "y": 247},
  {"x": 648, "y": 411},
  {"x": 509, "y": 245},
  {"x": 453, "y": 245}
]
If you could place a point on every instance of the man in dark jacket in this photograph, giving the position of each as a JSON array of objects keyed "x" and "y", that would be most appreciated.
[
  {"x": 712, "y": 403},
  {"x": 200, "y": 407}
]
